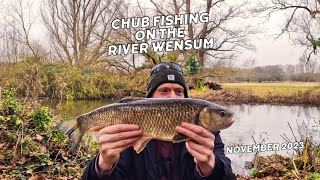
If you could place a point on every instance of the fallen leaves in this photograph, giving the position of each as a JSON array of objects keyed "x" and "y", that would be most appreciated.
[
  {"x": 38, "y": 137},
  {"x": 37, "y": 151}
]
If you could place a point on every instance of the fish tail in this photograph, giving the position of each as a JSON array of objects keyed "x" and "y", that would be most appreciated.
[{"x": 72, "y": 130}]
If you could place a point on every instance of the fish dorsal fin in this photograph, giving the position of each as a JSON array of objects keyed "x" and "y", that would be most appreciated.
[
  {"x": 130, "y": 99},
  {"x": 141, "y": 144}
]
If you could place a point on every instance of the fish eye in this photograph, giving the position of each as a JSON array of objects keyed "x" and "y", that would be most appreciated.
[{"x": 222, "y": 113}]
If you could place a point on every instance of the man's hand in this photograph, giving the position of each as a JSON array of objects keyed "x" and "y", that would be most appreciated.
[
  {"x": 200, "y": 146},
  {"x": 115, "y": 139}
]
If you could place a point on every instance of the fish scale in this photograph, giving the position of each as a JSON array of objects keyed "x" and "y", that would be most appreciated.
[{"x": 156, "y": 117}]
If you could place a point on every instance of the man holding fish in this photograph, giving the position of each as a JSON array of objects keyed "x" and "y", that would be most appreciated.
[{"x": 198, "y": 153}]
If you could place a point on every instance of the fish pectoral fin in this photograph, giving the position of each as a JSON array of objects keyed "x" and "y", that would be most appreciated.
[
  {"x": 180, "y": 137},
  {"x": 95, "y": 136},
  {"x": 141, "y": 144},
  {"x": 130, "y": 99},
  {"x": 96, "y": 128}
]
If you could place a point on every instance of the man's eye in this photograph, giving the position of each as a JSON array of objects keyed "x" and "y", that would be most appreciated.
[
  {"x": 164, "y": 91},
  {"x": 179, "y": 91}
]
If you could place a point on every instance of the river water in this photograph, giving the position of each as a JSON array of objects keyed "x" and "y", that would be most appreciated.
[
  {"x": 258, "y": 129},
  {"x": 281, "y": 129}
]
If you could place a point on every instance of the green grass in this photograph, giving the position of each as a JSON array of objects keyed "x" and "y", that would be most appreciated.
[
  {"x": 265, "y": 90},
  {"x": 276, "y": 92}
]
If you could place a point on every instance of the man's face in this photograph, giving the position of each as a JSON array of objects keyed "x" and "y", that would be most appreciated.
[{"x": 169, "y": 90}]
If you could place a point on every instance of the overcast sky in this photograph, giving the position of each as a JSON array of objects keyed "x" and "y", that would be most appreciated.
[
  {"x": 276, "y": 52},
  {"x": 268, "y": 51}
]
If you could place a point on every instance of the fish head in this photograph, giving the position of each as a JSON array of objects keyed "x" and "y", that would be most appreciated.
[{"x": 215, "y": 118}]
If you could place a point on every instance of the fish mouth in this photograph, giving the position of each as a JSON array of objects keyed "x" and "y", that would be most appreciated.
[
  {"x": 226, "y": 123},
  {"x": 229, "y": 122}
]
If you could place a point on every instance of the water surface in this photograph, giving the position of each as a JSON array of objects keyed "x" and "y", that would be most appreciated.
[{"x": 269, "y": 125}]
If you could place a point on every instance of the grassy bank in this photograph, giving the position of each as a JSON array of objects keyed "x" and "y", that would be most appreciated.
[{"x": 273, "y": 93}]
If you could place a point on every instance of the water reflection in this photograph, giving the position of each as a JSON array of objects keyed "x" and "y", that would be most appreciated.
[{"x": 71, "y": 109}]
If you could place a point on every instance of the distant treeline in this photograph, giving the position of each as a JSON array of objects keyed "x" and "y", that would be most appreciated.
[{"x": 301, "y": 72}]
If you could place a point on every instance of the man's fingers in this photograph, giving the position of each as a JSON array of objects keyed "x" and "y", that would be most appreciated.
[
  {"x": 107, "y": 138},
  {"x": 117, "y": 138},
  {"x": 120, "y": 144},
  {"x": 119, "y": 150},
  {"x": 197, "y": 129},
  {"x": 199, "y": 148},
  {"x": 114, "y": 154},
  {"x": 118, "y": 128},
  {"x": 199, "y": 157},
  {"x": 208, "y": 142}
]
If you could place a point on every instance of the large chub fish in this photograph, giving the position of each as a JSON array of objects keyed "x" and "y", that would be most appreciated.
[{"x": 156, "y": 117}]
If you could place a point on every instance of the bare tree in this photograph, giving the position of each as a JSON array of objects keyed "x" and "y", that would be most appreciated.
[
  {"x": 247, "y": 69},
  {"x": 130, "y": 63},
  {"x": 302, "y": 23},
  {"x": 307, "y": 34},
  {"x": 249, "y": 63},
  {"x": 11, "y": 50},
  {"x": 229, "y": 35},
  {"x": 19, "y": 20},
  {"x": 80, "y": 29}
]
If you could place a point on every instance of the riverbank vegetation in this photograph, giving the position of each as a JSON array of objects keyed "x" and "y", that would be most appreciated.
[
  {"x": 33, "y": 80},
  {"x": 62, "y": 81},
  {"x": 31, "y": 146},
  {"x": 304, "y": 165}
]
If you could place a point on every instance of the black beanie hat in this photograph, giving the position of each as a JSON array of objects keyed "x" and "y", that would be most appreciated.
[{"x": 166, "y": 76}]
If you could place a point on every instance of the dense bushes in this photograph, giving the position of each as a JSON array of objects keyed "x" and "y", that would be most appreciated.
[
  {"x": 31, "y": 146},
  {"x": 62, "y": 81}
]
